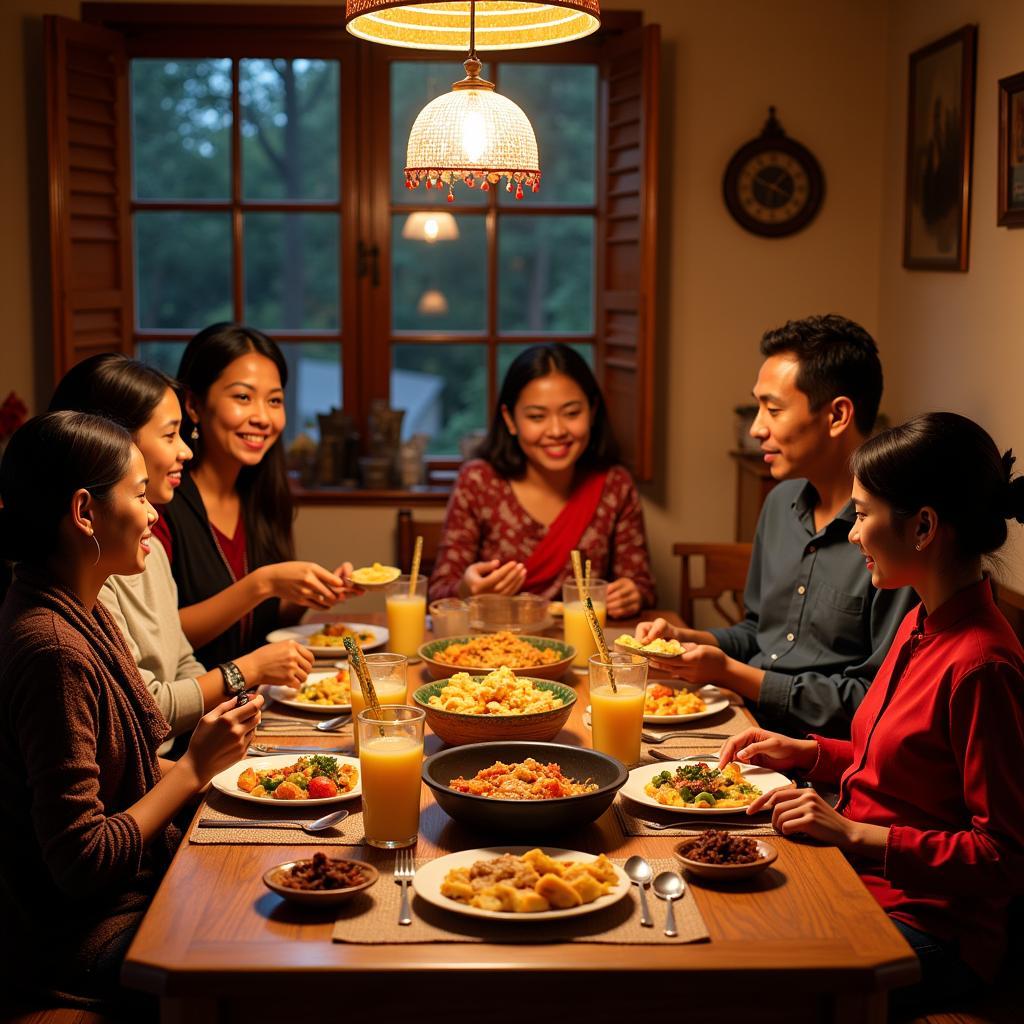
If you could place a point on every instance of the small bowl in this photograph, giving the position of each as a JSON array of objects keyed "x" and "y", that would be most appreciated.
[
  {"x": 455, "y": 728},
  {"x": 523, "y": 817},
  {"x": 522, "y": 613},
  {"x": 726, "y": 872},
  {"x": 318, "y": 897},
  {"x": 555, "y": 671}
]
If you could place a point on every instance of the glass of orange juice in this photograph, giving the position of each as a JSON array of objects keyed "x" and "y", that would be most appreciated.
[
  {"x": 618, "y": 717},
  {"x": 389, "y": 673},
  {"x": 407, "y": 615},
  {"x": 574, "y": 616},
  {"x": 390, "y": 761}
]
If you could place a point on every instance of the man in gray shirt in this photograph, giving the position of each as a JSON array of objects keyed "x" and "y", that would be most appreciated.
[{"x": 816, "y": 630}]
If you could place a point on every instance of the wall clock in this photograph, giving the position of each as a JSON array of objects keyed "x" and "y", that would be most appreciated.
[{"x": 773, "y": 185}]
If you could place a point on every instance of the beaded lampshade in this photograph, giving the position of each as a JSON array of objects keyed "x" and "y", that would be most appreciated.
[
  {"x": 500, "y": 24},
  {"x": 475, "y": 136},
  {"x": 432, "y": 226}
]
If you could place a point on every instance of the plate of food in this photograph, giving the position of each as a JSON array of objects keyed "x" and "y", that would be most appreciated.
[
  {"x": 666, "y": 705},
  {"x": 693, "y": 786},
  {"x": 376, "y": 576},
  {"x": 311, "y": 780},
  {"x": 539, "y": 656},
  {"x": 659, "y": 648},
  {"x": 325, "y": 692},
  {"x": 521, "y": 883},
  {"x": 320, "y": 880},
  {"x": 327, "y": 639}
]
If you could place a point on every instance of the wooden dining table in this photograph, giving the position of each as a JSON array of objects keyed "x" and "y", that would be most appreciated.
[{"x": 802, "y": 941}]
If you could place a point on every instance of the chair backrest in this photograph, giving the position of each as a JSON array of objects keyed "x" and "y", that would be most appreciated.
[
  {"x": 406, "y": 532},
  {"x": 725, "y": 572},
  {"x": 1011, "y": 604}
]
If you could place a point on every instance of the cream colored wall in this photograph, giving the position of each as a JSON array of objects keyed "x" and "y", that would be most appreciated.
[
  {"x": 956, "y": 338},
  {"x": 821, "y": 64}
]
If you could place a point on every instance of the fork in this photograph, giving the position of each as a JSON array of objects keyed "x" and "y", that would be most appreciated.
[
  {"x": 660, "y": 737},
  {"x": 263, "y": 750},
  {"x": 687, "y": 826},
  {"x": 404, "y": 871}
]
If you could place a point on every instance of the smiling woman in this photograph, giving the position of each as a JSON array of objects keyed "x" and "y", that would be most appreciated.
[{"x": 228, "y": 531}]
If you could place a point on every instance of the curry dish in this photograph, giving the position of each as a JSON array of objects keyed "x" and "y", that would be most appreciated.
[
  {"x": 522, "y": 780},
  {"x": 495, "y": 650}
]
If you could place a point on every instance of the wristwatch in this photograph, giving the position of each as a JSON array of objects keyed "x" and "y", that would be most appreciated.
[{"x": 234, "y": 681}]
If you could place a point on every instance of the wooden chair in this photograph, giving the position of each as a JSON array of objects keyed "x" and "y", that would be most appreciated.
[
  {"x": 725, "y": 572},
  {"x": 406, "y": 531}
]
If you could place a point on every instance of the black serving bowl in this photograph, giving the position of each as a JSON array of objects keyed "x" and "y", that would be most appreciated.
[{"x": 524, "y": 817}]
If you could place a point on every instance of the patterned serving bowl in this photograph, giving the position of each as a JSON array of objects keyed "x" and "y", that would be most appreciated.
[{"x": 555, "y": 670}]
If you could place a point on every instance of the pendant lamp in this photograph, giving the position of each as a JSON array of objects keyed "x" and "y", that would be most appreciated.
[{"x": 431, "y": 226}]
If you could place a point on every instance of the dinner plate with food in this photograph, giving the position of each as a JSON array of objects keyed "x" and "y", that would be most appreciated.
[
  {"x": 521, "y": 883},
  {"x": 659, "y": 648},
  {"x": 323, "y": 692},
  {"x": 327, "y": 639},
  {"x": 693, "y": 786},
  {"x": 309, "y": 780},
  {"x": 666, "y": 705},
  {"x": 375, "y": 577}
]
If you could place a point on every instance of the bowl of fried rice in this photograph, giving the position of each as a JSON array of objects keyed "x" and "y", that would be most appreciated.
[
  {"x": 538, "y": 656},
  {"x": 498, "y": 705},
  {"x": 513, "y": 788}
]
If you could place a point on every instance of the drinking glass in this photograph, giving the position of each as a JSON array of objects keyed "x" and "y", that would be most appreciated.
[
  {"x": 450, "y": 617},
  {"x": 574, "y": 616},
  {"x": 407, "y": 615},
  {"x": 390, "y": 761},
  {"x": 389, "y": 674},
  {"x": 617, "y": 717}
]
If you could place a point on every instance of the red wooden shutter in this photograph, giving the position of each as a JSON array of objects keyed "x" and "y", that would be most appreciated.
[
  {"x": 626, "y": 241},
  {"x": 87, "y": 124}
]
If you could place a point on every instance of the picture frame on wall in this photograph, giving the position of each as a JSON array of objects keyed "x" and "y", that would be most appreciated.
[
  {"x": 1011, "y": 152},
  {"x": 940, "y": 132}
]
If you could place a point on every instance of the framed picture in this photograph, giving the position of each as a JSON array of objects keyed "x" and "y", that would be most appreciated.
[
  {"x": 940, "y": 123},
  {"x": 1011, "y": 151}
]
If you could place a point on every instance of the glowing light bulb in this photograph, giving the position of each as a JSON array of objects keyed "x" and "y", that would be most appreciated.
[
  {"x": 474, "y": 136},
  {"x": 430, "y": 229}
]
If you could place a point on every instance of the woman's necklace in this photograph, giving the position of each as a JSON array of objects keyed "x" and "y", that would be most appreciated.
[{"x": 246, "y": 622}]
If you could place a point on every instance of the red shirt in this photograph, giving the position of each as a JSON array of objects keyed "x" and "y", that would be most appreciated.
[
  {"x": 485, "y": 521},
  {"x": 934, "y": 755},
  {"x": 232, "y": 548}
]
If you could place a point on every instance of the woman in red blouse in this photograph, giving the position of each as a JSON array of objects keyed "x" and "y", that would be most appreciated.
[
  {"x": 931, "y": 807},
  {"x": 547, "y": 481}
]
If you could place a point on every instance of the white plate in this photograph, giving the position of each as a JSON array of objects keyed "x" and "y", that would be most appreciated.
[
  {"x": 645, "y": 654},
  {"x": 227, "y": 782},
  {"x": 301, "y": 634},
  {"x": 764, "y": 778},
  {"x": 287, "y": 696},
  {"x": 427, "y": 884},
  {"x": 711, "y": 695}
]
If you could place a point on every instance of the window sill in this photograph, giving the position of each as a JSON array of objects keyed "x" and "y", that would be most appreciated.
[{"x": 418, "y": 497}]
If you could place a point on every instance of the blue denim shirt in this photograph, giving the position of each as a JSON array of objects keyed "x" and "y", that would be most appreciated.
[{"x": 813, "y": 622}]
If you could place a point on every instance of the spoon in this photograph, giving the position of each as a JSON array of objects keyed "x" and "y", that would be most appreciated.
[
  {"x": 312, "y": 827},
  {"x": 640, "y": 874},
  {"x": 668, "y": 886},
  {"x": 333, "y": 723}
]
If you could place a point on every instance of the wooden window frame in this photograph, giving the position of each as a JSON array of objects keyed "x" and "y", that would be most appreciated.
[{"x": 624, "y": 329}]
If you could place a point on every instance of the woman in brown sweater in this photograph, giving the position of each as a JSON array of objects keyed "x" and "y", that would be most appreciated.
[{"x": 86, "y": 802}]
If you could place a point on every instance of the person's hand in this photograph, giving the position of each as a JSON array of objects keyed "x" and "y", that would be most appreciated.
[
  {"x": 769, "y": 750},
  {"x": 494, "y": 578},
  {"x": 303, "y": 583},
  {"x": 701, "y": 664},
  {"x": 623, "y": 598},
  {"x": 804, "y": 811},
  {"x": 344, "y": 573},
  {"x": 645, "y": 632},
  {"x": 285, "y": 663},
  {"x": 222, "y": 737}
]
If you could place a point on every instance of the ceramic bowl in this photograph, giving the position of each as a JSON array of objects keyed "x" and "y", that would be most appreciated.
[
  {"x": 556, "y": 670},
  {"x": 726, "y": 872},
  {"x": 318, "y": 897}
]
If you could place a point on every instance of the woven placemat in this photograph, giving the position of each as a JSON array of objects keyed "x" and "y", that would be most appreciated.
[
  {"x": 222, "y": 808},
  {"x": 688, "y": 826},
  {"x": 371, "y": 918}
]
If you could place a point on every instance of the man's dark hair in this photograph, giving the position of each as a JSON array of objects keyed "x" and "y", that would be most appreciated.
[{"x": 837, "y": 357}]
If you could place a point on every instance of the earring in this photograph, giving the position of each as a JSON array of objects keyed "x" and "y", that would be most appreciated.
[
  {"x": 96, "y": 541},
  {"x": 917, "y": 547},
  {"x": 195, "y": 434}
]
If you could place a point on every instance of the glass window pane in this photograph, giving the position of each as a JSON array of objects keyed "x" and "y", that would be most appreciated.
[
  {"x": 164, "y": 355},
  {"x": 546, "y": 275},
  {"x": 291, "y": 271},
  {"x": 289, "y": 128},
  {"x": 561, "y": 102},
  {"x": 181, "y": 129},
  {"x": 314, "y": 385},
  {"x": 443, "y": 390},
  {"x": 506, "y": 353},
  {"x": 413, "y": 85},
  {"x": 182, "y": 269},
  {"x": 439, "y": 286}
]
